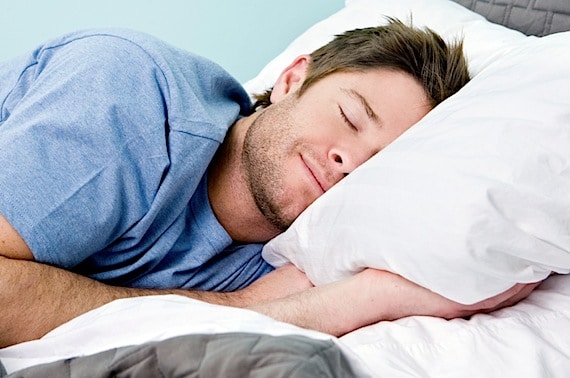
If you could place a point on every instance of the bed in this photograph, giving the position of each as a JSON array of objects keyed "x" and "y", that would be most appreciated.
[{"x": 470, "y": 213}]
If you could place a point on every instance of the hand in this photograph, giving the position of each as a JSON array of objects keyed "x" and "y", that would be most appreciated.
[
  {"x": 403, "y": 298},
  {"x": 506, "y": 299}
]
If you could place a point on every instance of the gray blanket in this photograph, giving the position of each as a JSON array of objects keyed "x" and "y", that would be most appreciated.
[{"x": 218, "y": 355}]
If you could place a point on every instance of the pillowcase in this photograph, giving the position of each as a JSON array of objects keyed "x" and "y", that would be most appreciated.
[{"x": 473, "y": 198}]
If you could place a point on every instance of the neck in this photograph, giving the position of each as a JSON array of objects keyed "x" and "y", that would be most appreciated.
[{"x": 230, "y": 195}]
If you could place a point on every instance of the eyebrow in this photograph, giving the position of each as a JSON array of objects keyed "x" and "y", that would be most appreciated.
[{"x": 369, "y": 111}]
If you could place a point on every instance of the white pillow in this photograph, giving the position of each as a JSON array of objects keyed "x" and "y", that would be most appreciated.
[{"x": 472, "y": 199}]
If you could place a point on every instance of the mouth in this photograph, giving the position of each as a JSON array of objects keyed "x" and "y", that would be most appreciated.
[{"x": 314, "y": 175}]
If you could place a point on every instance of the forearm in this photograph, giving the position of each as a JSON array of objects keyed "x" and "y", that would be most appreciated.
[
  {"x": 336, "y": 308},
  {"x": 35, "y": 298},
  {"x": 372, "y": 296}
]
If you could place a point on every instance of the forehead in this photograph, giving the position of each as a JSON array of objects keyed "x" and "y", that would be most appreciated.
[{"x": 374, "y": 77}]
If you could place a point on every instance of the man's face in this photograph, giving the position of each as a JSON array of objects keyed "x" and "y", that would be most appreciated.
[{"x": 299, "y": 147}]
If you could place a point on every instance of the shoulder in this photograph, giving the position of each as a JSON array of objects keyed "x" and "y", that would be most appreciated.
[
  {"x": 98, "y": 46},
  {"x": 126, "y": 52},
  {"x": 118, "y": 61},
  {"x": 194, "y": 89},
  {"x": 102, "y": 38}
]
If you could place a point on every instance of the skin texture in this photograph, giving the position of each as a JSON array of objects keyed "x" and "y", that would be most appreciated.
[
  {"x": 299, "y": 148},
  {"x": 282, "y": 158},
  {"x": 272, "y": 165}
]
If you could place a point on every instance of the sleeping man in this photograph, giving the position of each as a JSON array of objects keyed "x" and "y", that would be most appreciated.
[{"x": 133, "y": 168}]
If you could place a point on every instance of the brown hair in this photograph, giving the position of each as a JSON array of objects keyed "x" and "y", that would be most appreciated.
[{"x": 438, "y": 66}]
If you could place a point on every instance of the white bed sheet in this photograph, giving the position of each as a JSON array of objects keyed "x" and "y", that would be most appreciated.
[{"x": 530, "y": 339}]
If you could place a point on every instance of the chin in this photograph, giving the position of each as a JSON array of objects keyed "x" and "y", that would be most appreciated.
[{"x": 289, "y": 212}]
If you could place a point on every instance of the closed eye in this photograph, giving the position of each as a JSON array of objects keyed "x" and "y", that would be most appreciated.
[{"x": 346, "y": 120}]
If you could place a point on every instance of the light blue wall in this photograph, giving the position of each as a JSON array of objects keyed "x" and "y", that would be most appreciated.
[{"x": 241, "y": 35}]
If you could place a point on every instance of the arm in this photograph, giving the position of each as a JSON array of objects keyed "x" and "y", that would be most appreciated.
[
  {"x": 372, "y": 296},
  {"x": 35, "y": 298}
]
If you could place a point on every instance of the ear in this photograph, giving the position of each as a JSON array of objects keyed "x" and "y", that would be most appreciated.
[{"x": 291, "y": 78}]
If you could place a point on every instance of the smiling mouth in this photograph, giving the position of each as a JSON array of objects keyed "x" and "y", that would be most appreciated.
[{"x": 315, "y": 178}]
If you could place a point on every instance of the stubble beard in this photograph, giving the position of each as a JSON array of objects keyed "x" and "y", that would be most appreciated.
[{"x": 266, "y": 144}]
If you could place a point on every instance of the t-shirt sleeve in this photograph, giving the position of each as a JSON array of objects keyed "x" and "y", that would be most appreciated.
[{"x": 82, "y": 146}]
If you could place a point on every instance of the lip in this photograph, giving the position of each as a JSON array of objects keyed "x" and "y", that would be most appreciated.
[{"x": 314, "y": 174}]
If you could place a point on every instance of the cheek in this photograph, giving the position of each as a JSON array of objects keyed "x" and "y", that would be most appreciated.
[{"x": 298, "y": 191}]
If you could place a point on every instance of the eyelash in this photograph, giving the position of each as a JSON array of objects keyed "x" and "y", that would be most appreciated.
[{"x": 346, "y": 120}]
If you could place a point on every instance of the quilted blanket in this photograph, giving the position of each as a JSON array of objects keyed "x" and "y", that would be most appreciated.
[{"x": 212, "y": 355}]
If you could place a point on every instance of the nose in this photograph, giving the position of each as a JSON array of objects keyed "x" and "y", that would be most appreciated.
[{"x": 347, "y": 160}]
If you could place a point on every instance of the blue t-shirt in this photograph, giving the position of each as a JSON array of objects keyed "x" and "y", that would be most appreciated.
[{"x": 105, "y": 140}]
